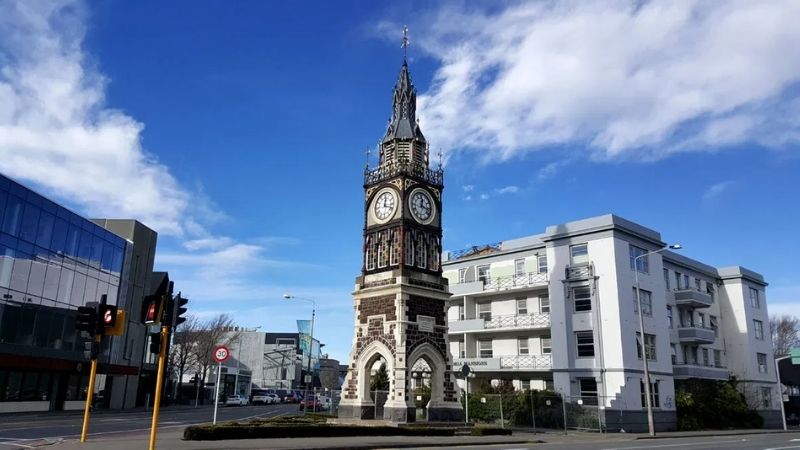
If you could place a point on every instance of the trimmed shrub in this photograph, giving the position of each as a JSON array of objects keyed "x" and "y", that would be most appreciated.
[
  {"x": 490, "y": 431},
  {"x": 266, "y": 431},
  {"x": 709, "y": 404}
]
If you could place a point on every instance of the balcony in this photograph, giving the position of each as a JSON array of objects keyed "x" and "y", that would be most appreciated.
[
  {"x": 496, "y": 284},
  {"x": 503, "y": 363},
  {"x": 579, "y": 272},
  {"x": 697, "y": 371},
  {"x": 540, "y": 362},
  {"x": 692, "y": 298},
  {"x": 510, "y": 322},
  {"x": 412, "y": 168},
  {"x": 696, "y": 335}
]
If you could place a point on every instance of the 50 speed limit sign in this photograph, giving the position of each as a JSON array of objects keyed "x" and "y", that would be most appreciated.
[{"x": 221, "y": 353}]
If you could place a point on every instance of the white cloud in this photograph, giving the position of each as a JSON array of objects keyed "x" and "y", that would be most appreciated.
[
  {"x": 715, "y": 190},
  {"x": 507, "y": 190},
  {"x": 57, "y": 132},
  {"x": 484, "y": 196},
  {"x": 468, "y": 188},
  {"x": 630, "y": 79},
  {"x": 468, "y": 198}
]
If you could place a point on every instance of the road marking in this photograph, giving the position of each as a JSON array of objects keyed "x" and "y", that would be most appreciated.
[
  {"x": 782, "y": 448},
  {"x": 686, "y": 444}
]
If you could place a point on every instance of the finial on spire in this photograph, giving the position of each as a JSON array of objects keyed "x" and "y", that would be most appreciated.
[
  {"x": 440, "y": 158},
  {"x": 404, "y": 43},
  {"x": 368, "y": 153}
]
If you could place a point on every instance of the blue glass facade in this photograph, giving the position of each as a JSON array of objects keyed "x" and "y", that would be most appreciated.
[{"x": 51, "y": 262}]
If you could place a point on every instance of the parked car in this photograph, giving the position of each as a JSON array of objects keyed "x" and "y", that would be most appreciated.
[
  {"x": 313, "y": 403},
  {"x": 261, "y": 399},
  {"x": 273, "y": 398},
  {"x": 282, "y": 394},
  {"x": 236, "y": 400}
]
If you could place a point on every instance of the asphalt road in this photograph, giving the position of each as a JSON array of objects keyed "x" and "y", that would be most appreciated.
[
  {"x": 775, "y": 441},
  {"x": 18, "y": 431}
]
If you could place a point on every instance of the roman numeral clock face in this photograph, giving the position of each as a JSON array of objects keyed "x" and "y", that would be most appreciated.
[
  {"x": 421, "y": 205},
  {"x": 384, "y": 206}
]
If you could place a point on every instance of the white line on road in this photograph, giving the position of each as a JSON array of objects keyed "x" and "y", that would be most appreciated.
[
  {"x": 685, "y": 444},
  {"x": 782, "y": 448}
]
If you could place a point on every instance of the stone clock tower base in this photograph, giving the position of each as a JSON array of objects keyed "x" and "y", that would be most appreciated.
[{"x": 400, "y": 317}]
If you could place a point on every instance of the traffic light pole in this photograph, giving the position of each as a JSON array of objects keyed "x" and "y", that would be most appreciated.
[
  {"x": 162, "y": 356},
  {"x": 89, "y": 394}
]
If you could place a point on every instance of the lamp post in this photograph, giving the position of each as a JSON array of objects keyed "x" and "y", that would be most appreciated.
[
  {"x": 648, "y": 401},
  {"x": 310, "y": 346}
]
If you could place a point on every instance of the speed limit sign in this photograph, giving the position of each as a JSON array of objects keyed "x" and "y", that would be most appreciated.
[{"x": 221, "y": 353}]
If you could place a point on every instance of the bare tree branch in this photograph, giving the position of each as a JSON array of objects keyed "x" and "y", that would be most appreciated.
[{"x": 785, "y": 331}]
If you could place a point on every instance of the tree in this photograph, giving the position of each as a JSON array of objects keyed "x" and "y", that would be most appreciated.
[
  {"x": 785, "y": 331},
  {"x": 210, "y": 333},
  {"x": 181, "y": 352},
  {"x": 380, "y": 382}
]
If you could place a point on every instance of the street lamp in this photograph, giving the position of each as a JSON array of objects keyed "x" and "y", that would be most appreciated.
[
  {"x": 648, "y": 400},
  {"x": 310, "y": 345}
]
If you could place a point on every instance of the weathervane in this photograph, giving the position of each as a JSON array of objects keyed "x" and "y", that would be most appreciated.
[{"x": 404, "y": 43}]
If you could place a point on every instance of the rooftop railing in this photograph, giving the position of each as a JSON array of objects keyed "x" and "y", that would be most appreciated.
[{"x": 413, "y": 168}]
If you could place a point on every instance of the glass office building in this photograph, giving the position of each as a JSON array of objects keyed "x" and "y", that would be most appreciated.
[{"x": 52, "y": 261}]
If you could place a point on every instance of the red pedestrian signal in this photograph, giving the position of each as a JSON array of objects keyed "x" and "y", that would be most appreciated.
[{"x": 153, "y": 308}]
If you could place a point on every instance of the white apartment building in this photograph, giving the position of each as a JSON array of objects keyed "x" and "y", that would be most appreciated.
[{"x": 558, "y": 311}]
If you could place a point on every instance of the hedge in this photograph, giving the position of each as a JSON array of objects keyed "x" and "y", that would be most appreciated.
[
  {"x": 490, "y": 431},
  {"x": 267, "y": 431}
]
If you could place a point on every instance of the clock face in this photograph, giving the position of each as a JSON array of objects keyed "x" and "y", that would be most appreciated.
[
  {"x": 384, "y": 205},
  {"x": 421, "y": 206}
]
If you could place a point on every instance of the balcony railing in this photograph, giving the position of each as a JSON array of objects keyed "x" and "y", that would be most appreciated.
[
  {"x": 514, "y": 281},
  {"x": 693, "y": 298},
  {"x": 700, "y": 371},
  {"x": 413, "y": 168},
  {"x": 579, "y": 272},
  {"x": 518, "y": 321},
  {"x": 526, "y": 362},
  {"x": 697, "y": 334}
]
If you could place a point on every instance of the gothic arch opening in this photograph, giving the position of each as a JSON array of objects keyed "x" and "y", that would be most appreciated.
[
  {"x": 377, "y": 365},
  {"x": 426, "y": 379}
]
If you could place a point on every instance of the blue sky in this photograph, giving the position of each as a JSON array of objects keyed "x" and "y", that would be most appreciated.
[{"x": 239, "y": 131}]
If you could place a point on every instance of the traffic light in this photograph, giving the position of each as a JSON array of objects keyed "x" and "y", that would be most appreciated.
[
  {"x": 87, "y": 318},
  {"x": 155, "y": 343},
  {"x": 153, "y": 309},
  {"x": 179, "y": 309},
  {"x": 107, "y": 317}
]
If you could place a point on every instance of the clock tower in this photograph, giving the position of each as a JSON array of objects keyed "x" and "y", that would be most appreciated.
[{"x": 400, "y": 298}]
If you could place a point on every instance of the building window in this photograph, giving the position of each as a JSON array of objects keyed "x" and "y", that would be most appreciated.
[
  {"x": 649, "y": 346},
  {"x": 669, "y": 316},
  {"x": 483, "y": 273},
  {"x": 462, "y": 350},
  {"x": 585, "y": 344},
  {"x": 544, "y": 305},
  {"x": 766, "y": 397},
  {"x": 462, "y": 275},
  {"x": 460, "y": 312},
  {"x": 522, "y": 346},
  {"x": 712, "y": 322},
  {"x": 758, "y": 327},
  {"x": 666, "y": 278},
  {"x": 697, "y": 284},
  {"x": 677, "y": 280},
  {"x": 582, "y": 296},
  {"x": 522, "y": 306},
  {"x": 588, "y": 391},
  {"x": 689, "y": 354},
  {"x": 754, "y": 302},
  {"x": 546, "y": 345},
  {"x": 685, "y": 284},
  {"x": 549, "y": 385},
  {"x": 579, "y": 254},
  {"x": 706, "y": 361},
  {"x": 485, "y": 311},
  {"x": 485, "y": 348},
  {"x": 542, "y": 263},
  {"x": 654, "y": 397},
  {"x": 673, "y": 353},
  {"x": 525, "y": 385},
  {"x": 519, "y": 267},
  {"x": 638, "y": 259},
  {"x": 717, "y": 358},
  {"x": 701, "y": 320},
  {"x": 647, "y": 302},
  {"x": 762, "y": 362}
]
